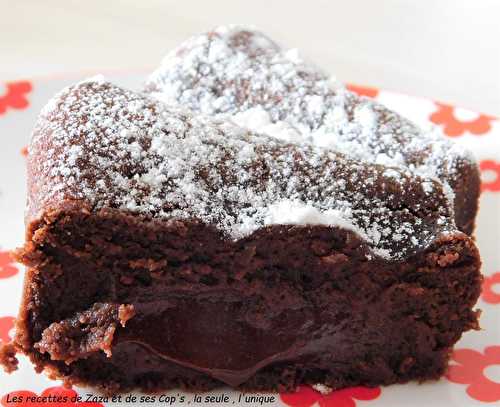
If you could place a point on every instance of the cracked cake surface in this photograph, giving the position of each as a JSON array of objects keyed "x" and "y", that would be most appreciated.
[
  {"x": 241, "y": 74},
  {"x": 112, "y": 147}
]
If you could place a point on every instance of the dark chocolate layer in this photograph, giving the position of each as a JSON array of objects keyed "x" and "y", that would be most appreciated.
[{"x": 286, "y": 306}]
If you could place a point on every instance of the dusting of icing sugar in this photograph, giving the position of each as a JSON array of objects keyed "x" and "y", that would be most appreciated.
[
  {"x": 289, "y": 212},
  {"x": 258, "y": 120},
  {"x": 235, "y": 70},
  {"x": 116, "y": 148},
  {"x": 321, "y": 388}
]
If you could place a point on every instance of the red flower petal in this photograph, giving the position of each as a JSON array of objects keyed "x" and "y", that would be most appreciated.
[
  {"x": 7, "y": 269},
  {"x": 365, "y": 393},
  {"x": 470, "y": 366},
  {"x": 15, "y": 97},
  {"x": 339, "y": 398},
  {"x": 461, "y": 374},
  {"x": 305, "y": 396},
  {"x": 469, "y": 357},
  {"x": 6, "y": 324},
  {"x": 363, "y": 90},
  {"x": 492, "y": 354},
  {"x": 484, "y": 390},
  {"x": 20, "y": 394}
]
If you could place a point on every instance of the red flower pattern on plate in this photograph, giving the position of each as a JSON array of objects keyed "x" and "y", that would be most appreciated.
[
  {"x": 24, "y": 151},
  {"x": 494, "y": 167},
  {"x": 15, "y": 96},
  {"x": 7, "y": 267},
  {"x": 453, "y": 126},
  {"x": 489, "y": 295},
  {"x": 470, "y": 370},
  {"x": 306, "y": 396},
  {"x": 363, "y": 90},
  {"x": 6, "y": 325},
  {"x": 53, "y": 396}
]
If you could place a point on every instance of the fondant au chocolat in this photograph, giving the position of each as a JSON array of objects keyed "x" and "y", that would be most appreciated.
[{"x": 172, "y": 245}]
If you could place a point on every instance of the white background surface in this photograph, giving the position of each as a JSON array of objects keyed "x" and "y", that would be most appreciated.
[{"x": 443, "y": 49}]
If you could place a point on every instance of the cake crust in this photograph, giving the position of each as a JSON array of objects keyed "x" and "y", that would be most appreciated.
[{"x": 106, "y": 146}]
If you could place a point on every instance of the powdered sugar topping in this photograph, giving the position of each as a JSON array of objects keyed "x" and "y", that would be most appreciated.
[
  {"x": 115, "y": 148},
  {"x": 239, "y": 73}
]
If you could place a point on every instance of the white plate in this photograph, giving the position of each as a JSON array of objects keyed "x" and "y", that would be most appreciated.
[{"x": 473, "y": 379}]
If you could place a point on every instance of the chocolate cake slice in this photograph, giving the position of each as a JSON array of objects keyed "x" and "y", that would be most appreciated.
[
  {"x": 240, "y": 73},
  {"x": 167, "y": 249}
]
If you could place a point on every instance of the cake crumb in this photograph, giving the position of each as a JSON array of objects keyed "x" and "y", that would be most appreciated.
[{"x": 8, "y": 359}]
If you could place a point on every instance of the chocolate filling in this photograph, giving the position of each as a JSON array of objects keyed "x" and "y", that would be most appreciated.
[{"x": 285, "y": 306}]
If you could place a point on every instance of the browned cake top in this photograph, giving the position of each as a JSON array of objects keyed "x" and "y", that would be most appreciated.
[
  {"x": 111, "y": 147},
  {"x": 241, "y": 74}
]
